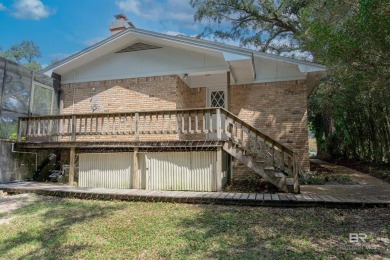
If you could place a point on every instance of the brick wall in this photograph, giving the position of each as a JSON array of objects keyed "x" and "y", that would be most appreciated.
[
  {"x": 279, "y": 110},
  {"x": 135, "y": 94}
]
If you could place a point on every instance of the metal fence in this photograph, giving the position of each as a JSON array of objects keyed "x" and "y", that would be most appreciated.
[{"x": 23, "y": 92}]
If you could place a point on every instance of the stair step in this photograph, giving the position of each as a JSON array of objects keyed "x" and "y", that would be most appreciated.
[
  {"x": 279, "y": 174},
  {"x": 266, "y": 172},
  {"x": 290, "y": 181}
]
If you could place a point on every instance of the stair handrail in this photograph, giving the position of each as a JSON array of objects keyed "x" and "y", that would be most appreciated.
[
  {"x": 266, "y": 138},
  {"x": 293, "y": 169}
]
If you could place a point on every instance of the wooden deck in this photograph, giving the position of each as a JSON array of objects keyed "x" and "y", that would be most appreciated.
[
  {"x": 243, "y": 199},
  {"x": 143, "y": 146}
]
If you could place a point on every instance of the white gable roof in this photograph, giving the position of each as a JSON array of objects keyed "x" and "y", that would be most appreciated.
[{"x": 245, "y": 65}]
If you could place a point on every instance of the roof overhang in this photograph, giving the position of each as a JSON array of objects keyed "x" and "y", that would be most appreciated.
[{"x": 239, "y": 60}]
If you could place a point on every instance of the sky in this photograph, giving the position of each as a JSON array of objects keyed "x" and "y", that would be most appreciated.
[{"x": 63, "y": 27}]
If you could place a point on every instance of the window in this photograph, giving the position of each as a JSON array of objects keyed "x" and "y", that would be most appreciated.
[{"x": 217, "y": 99}]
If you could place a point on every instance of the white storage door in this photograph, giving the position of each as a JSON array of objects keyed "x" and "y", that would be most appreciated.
[
  {"x": 192, "y": 171},
  {"x": 106, "y": 170}
]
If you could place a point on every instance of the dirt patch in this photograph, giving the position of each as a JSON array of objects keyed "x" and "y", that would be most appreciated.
[
  {"x": 380, "y": 171},
  {"x": 320, "y": 175},
  {"x": 254, "y": 184},
  {"x": 9, "y": 204},
  {"x": 366, "y": 185}
]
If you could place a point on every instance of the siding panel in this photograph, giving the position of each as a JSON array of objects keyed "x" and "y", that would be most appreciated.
[
  {"x": 106, "y": 170},
  {"x": 193, "y": 171}
]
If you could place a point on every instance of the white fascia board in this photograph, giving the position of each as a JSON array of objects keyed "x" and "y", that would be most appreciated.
[
  {"x": 190, "y": 72},
  {"x": 307, "y": 68},
  {"x": 193, "y": 42},
  {"x": 228, "y": 56},
  {"x": 244, "y": 82}
]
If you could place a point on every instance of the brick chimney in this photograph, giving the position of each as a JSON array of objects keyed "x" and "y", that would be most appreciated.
[{"x": 120, "y": 24}]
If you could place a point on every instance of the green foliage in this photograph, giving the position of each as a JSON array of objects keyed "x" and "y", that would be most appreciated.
[
  {"x": 24, "y": 53},
  {"x": 8, "y": 129},
  {"x": 33, "y": 66},
  {"x": 267, "y": 25},
  {"x": 349, "y": 112},
  {"x": 352, "y": 39}
]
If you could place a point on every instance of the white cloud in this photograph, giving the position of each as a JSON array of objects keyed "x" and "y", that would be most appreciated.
[
  {"x": 149, "y": 9},
  {"x": 92, "y": 41},
  {"x": 129, "y": 6},
  {"x": 2, "y": 7},
  {"x": 171, "y": 10},
  {"x": 31, "y": 9}
]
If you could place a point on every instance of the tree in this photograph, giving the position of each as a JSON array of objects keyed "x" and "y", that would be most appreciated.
[
  {"x": 267, "y": 25},
  {"x": 33, "y": 66},
  {"x": 30, "y": 50},
  {"x": 24, "y": 53},
  {"x": 350, "y": 110},
  {"x": 352, "y": 38}
]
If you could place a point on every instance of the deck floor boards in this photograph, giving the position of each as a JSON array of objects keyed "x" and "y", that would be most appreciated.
[{"x": 239, "y": 198}]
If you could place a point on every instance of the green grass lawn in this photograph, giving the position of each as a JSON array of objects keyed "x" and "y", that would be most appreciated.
[{"x": 48, "y": 227}]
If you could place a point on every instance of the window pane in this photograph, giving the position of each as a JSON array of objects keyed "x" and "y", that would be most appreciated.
[
  {"x": 43, "y": 79},
  {"x": 9, "y": 125},
  {"x": 17, "y": 88},
  {"x": 2, "y": 64},
  {"x": 218, "y": 99},
  {"x": 42, "y": 100}
]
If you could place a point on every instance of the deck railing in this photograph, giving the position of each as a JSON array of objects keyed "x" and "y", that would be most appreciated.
[{"x": 207, "y": 123}]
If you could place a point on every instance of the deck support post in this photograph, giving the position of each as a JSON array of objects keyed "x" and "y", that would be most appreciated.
[
  {"x": 135, "y": 169},
  {"x": 219, "y": 123},
  {"x": 219, "y": 169},
  {"x": 71, "y": 165}
]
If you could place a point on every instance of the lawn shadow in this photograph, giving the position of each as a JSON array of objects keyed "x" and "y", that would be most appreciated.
[
  {"x": 56, "y": 216},
  {"x": 268, "y": 233}
]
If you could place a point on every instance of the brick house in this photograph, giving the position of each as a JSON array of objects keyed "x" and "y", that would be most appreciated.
[{"x": 147, "y": 110}]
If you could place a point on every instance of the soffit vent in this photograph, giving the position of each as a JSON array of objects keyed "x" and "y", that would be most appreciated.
[{"x": 139, "y": 46}]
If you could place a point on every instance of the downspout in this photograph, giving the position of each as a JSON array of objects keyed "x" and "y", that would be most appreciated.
[{"x": 36, "y": 155}]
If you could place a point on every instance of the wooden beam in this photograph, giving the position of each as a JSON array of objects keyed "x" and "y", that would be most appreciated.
[
  {"x": 219, "y": 128},
  {"x": 218, "y": 173},
  {"x": 135, "y": 169},
  {"x": 71, "y": 165}
]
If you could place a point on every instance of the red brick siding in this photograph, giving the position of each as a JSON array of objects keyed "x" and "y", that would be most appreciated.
[{"x": 278, "y": 109}]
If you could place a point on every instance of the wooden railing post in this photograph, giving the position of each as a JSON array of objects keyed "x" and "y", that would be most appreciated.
[
  {"x": 219, "y": 124},
  {"x": 19, "y": 138},
  {"x": 273, "y": 154},
  {"x": 137, "y": 126},
  {"x": 295, "y": 174},
  {"x": 74, "y": 120}
]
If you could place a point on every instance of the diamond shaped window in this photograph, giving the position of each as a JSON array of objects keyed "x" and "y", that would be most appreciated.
[{"x": 218, "y": 99}]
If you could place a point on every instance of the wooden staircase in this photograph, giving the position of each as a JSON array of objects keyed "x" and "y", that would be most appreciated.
[{"x": 270, "y": 159}]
